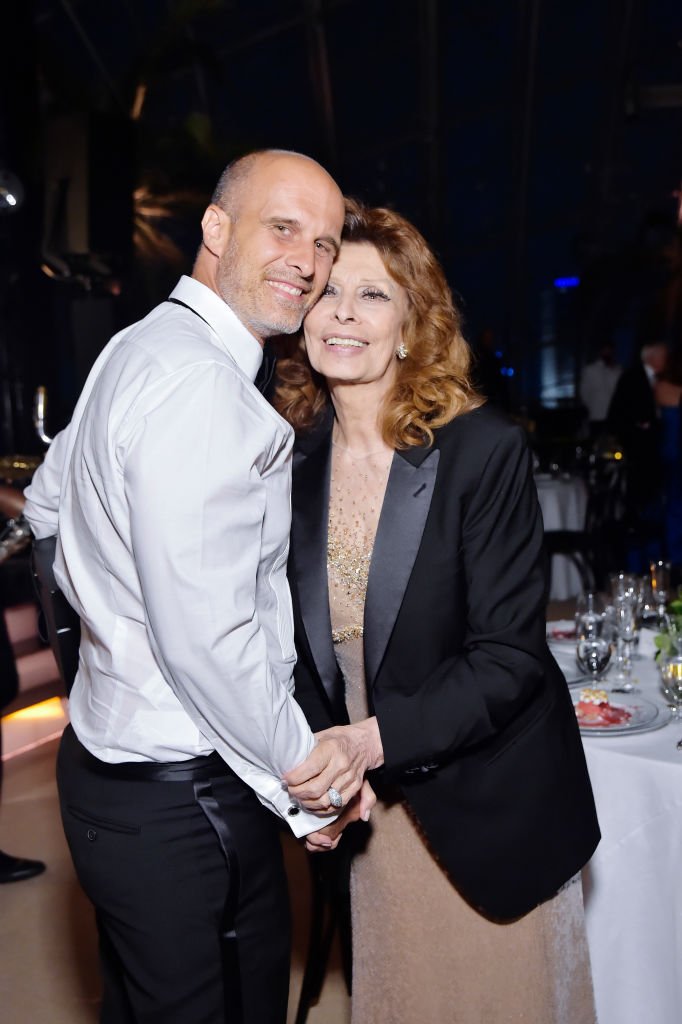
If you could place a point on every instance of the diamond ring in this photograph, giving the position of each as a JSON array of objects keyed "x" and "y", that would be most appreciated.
[{"x": 335, "y": 798}]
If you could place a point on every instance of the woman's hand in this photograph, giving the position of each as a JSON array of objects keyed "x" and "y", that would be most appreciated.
[
  {"x": 328, "y": 838},
  {"x": 341, "y": 758}
]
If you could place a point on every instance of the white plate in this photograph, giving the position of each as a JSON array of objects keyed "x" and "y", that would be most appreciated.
[{"x": 644, "y": 717}]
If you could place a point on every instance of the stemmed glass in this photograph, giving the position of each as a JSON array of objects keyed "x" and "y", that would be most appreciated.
[
  {"x": 624, "y": 625},
  {"x": 647, "y": 610},
  {"x": 594, "y": 645},
  {"x": 622, "y": 584},
  {"x": 671, "y": 682},
  {"x": 660, "y": 584},
  {"x": 588, "y": 609}
]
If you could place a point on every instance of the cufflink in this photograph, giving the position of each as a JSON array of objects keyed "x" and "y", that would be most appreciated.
[{"x": 293, "y": 811}]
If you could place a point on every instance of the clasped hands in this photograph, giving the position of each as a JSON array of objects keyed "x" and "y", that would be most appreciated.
[{"x": 341, "y": 758}]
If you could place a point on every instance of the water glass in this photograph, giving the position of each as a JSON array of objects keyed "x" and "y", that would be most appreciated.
[
  {"x": 624, "y": 624},
  {"x": 594, "y": 645}
]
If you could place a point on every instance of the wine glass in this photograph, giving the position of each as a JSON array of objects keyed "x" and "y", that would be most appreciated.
[
  {"x": 647, "y": 610},
  {"x": 671, "y": 681},
  {"x": 622, "y": 584},
  {"x": 588, "y": 609},
  {"x": 594, "y": 645},
  {"x": 660, "y": 584}
]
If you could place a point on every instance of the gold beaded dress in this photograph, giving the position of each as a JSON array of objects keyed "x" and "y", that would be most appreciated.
[{"x": 421, "y": 954}]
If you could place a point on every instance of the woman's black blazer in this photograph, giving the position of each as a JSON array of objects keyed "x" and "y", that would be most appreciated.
[{"x": 476, "y": 719}]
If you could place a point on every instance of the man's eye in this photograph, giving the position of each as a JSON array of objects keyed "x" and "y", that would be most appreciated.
[
  {"x": 323, "y": 248},
  {"x": 283, "y": 229}
]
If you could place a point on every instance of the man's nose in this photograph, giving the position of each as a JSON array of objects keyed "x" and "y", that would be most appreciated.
[{"x": 302, "y": 258}]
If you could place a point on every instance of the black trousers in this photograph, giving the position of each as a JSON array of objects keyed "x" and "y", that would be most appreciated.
[{"x": 188, "y": 883}]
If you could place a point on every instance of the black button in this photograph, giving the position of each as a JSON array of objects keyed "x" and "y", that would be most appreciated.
[
  {"x": 92, "y": 834},
  {"x": 293, "y": 811}
]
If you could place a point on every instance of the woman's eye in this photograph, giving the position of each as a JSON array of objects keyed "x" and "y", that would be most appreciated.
[
  {"x": 329, "y": 290},
  {"x": 374, "y": 293}
]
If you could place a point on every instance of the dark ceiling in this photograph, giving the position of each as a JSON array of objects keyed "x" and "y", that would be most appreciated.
[{"x": 528, "y": 140}]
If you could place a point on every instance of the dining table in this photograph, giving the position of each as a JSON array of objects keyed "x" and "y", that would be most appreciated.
[
  {"x": 563, "y": 503},
  {"x": 633, "y": 904}
]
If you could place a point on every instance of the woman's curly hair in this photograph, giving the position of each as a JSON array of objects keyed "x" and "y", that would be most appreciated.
[{"x": 433, "y": 382}]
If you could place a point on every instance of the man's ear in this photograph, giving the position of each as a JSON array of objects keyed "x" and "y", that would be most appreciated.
[{"x": 216, "y": 226}]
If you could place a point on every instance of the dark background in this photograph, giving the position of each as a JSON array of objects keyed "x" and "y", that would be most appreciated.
[{"x": 531, "y": 141}]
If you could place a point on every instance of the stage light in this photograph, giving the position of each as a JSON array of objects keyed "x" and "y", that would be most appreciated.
[
  {"x": 562, "y": 283},
  {"x": 11, "y": 192}
]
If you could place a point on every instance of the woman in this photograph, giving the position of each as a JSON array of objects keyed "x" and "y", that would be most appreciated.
[{"x": 419, "y": 591}]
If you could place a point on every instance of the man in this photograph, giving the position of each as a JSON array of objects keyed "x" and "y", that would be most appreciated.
[
  {"x": 633, "y": 418},
  {"x": 597, "y": 385},
  {"x": 172, "y": 485}
]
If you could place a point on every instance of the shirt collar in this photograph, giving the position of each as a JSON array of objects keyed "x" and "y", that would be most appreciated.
[
  {"x": 651, "y": 374},
  {"x": 246, "y": 351}
]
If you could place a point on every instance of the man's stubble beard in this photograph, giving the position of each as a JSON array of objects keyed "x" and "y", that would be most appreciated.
[{"x": 242, "y": 296}]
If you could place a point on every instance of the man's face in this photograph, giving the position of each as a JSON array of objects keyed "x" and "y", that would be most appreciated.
[{"x": 281, "y": 245}]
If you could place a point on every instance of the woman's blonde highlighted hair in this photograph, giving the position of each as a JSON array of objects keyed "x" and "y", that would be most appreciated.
[{"x": 433, "y": 382}]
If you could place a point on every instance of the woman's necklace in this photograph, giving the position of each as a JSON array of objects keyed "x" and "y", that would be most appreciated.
[{"x": 358, "y": 458}]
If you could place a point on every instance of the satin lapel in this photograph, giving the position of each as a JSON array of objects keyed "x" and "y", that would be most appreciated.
[
  {"x": 309, "y": 538},
  {"x": 399, "y": 533}
]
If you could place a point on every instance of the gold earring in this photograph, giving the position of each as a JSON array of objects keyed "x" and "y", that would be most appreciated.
[{"x": 401, "y": 351}]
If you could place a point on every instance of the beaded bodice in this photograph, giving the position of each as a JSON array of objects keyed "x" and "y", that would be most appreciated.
[{"x": 355, "y": 500}]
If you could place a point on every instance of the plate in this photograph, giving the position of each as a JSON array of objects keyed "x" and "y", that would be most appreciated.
[{"x": 645, "y": 716}]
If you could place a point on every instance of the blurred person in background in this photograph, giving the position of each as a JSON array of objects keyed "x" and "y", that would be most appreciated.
[
  {"x": 668, "y": 395},
  {"x": 633, "y": 418},
  {"x": 12, "y": 869},
  {"x": 597, "y": 385}
]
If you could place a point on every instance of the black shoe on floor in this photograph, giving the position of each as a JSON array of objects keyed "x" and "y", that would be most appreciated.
[{"x": 15, "y": 869}]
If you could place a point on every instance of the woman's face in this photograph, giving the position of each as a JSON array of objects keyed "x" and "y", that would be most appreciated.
[{"x": 352, "y": 333}]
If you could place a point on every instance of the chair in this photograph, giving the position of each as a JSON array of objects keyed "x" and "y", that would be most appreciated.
[{"x": 577, "y": 546}]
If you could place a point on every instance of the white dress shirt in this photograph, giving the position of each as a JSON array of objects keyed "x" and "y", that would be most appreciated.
[
  {"x": 597, "y": 385},
  {"x": 170, "y": 493}
]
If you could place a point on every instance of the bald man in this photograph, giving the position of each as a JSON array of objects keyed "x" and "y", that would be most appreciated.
[{"x": 169, "y": 493}]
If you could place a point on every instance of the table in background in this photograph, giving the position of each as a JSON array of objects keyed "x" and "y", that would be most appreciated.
[
  {"x": 633, "y": 896},
  {"x": 563, "y": 503}
]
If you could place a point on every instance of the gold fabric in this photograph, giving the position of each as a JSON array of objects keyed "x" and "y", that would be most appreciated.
[{"x": 421, "y": 954}]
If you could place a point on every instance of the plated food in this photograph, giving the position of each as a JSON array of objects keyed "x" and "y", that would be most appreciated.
[{"x": 593, "y": 710}]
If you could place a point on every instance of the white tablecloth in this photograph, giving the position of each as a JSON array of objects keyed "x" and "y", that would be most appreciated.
[
  {"x": 633, "y": 890},
  {"x": 563, "y": 503}
]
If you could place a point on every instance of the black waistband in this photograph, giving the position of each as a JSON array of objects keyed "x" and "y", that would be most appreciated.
[{"x": 195, "y": 769}]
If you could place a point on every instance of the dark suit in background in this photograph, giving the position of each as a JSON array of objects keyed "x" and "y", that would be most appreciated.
[{"x": 633, "y": 418}]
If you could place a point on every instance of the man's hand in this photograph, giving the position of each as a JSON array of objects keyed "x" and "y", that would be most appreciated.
[
  {"x": 341, "y": 758},
  {"x": 328, "y": 838}
]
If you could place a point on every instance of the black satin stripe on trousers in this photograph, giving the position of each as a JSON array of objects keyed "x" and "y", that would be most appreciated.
[
  {"x": 203, "y": 773},
  {"x": 158, "y": 863},
  {"x": 228, "y": 934}
]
